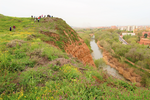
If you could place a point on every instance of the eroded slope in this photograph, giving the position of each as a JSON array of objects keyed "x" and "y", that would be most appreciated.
[{"x": 68, "y": 40}]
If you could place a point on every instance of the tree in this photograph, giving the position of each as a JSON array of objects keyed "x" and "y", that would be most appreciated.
[
  {"x": 139, "y": 35},
  {"x": 145, "y": 35}
]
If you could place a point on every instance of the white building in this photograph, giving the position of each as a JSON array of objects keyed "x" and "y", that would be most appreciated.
[
  {"x": 129, "y": 28},
  {"x": 134, "y": 27},
  {"x": 132, "y": 34}
]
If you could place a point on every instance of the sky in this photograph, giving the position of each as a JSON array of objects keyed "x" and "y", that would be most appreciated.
[{"x": 83, "y": 13}]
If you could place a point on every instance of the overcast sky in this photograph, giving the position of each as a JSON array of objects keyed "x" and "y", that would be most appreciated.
[{"x": 83, "y": 13}]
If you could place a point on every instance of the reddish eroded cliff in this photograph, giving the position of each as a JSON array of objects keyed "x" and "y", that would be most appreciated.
[
  {"x": 79, "y": 50},
  {"x": 62, "y": 36}
]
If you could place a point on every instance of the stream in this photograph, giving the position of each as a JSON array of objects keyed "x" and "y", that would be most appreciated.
[{"x": 97, "y": 54}]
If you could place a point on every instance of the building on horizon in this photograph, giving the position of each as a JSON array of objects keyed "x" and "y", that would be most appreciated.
[
  {"x": 132, "y": 34},
  {"x": 127, "y": 28},
  {"x": 113, "y": 27},
  {"x": 144, "y": 41}
]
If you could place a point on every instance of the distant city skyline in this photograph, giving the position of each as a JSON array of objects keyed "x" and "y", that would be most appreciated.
[
  {"x": 83, "y": 13},
  {"x": 116, "y": 26}
]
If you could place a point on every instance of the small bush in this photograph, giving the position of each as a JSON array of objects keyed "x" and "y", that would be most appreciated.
[
  {"x": 145, "y": 80},
  {"x": 80, "y": 43},
  {"x": 70, "y": 71},
  {"x": 126, "y": 85},
  {"x": 100, "y": 63},
  {"x": 15, "y": 42},
  {"x": 55, "y": 68}
]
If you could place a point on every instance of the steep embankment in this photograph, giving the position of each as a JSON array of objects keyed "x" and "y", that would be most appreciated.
[
  {"x": 68, "y": 40},
  {"x": 80, "y": 50}
]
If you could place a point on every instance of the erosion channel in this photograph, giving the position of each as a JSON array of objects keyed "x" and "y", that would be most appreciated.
[{"x": 97, "y": 54}]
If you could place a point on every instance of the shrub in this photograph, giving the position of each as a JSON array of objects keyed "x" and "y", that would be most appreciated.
[
  {"x": 70, "y": 71},
  {"x": 55, "y": 68},
  {"x": 100, "y": 63},
  {"x": 80, "y": 43},
  {"x": 145, "y": 79},
  {"x": 15, "y": 42},
  {"x": 126, "y": 85}
]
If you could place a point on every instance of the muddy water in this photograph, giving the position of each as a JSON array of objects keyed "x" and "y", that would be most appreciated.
[{"x": 97, "y": 54}]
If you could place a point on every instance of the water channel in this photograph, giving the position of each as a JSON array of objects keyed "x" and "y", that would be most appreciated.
[{"x": 97, "y": 54}]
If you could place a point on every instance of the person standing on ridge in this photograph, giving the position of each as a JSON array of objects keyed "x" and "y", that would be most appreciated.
[
  {"x": 34, "y": 19},
  {"x": 14, "y": 27},
  {"x": 10, "y": 28},
  {"x": 38, "y": 19}
]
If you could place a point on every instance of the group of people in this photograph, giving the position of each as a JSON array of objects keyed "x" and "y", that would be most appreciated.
[
  {"x": 38, "y": 18},
  {"x": 14, "y": 27},
  {"x": 35, "y": 18}
]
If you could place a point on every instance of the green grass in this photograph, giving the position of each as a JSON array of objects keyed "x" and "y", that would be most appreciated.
[
  {"x": 69, "y": 83},
  {"x": 54, "y": 25},
  {"x": 27, "y": 72}
]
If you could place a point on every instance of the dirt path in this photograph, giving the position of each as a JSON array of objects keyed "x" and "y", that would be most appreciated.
[{"x": 137, "y": 65}]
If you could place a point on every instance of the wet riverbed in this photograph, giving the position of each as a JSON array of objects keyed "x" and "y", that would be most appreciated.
[{"x": 97, "y": 54}]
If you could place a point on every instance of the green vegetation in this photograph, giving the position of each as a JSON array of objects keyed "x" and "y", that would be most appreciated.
[
  {"x": 100, "y": 63},
  {"x": 131, "y": 39},
  {"x": 54, "y": 28},
  {"x": 134, "y": 52},
  {"x": 31, "y": 69},
  {"x": 84, "y": 34},
  {"x": 137, "y": 53}
]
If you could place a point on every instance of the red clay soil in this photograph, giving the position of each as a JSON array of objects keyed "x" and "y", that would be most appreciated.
[
  {"x": 51, "y": 34},
  {"x": 80, "y": 50},
  {"x": 77, "y": 49},
  {"x": 128, "y": 73}
]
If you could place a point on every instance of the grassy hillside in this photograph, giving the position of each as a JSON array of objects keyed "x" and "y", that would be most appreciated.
[{"x": 31, "y": 69}]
